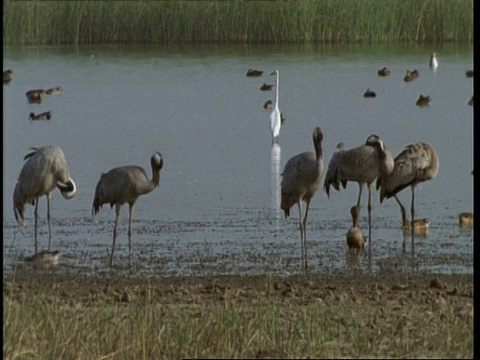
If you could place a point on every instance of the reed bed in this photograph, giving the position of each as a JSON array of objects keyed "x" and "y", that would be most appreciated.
[{"x": 40, "y": 22}]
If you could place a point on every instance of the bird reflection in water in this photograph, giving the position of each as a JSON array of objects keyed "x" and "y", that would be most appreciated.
[{"x": 275, "y": 183}]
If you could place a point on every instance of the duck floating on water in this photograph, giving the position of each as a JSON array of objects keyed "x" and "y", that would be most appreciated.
[
  {"x": 355, "y": 238},
  {"x": 253, "y": 72},
  {"x": 54, "y": 91},
  {"x": 35, "y": 96},
  {"x": 411, "y": 75},
  {"x": 420, "y": 227},
  {"x": 465, "y": 219},
  {"x": 384, "y": 72},
  {"x": 423, "y": 100},
  {"x": 266, "y": 87},
  {"x": 44, "y": 258},
  {"x": 47, "y": 115},
  {"x": 369, "y": 94},
  {"x": 7, "y": 76}
]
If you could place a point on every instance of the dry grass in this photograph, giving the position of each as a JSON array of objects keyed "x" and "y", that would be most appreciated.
[{"x": 238, "y": 317}]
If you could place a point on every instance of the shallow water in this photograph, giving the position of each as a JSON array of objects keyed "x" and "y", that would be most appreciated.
[{"x": 216, "y": 210}]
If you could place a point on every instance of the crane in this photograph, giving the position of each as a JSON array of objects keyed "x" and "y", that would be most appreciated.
[
  {"x": 44, "y": 170},
  {"x": 124, "y": 184},
  {"x": 301, "y": 179}
]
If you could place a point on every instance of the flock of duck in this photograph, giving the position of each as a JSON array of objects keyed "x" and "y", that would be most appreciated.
[
  {"x": 371, "y": 164},
  {"x": 34, "y": 96}
]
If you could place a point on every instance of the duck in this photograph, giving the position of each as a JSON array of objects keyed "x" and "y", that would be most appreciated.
[
  {"x": 7, "y": 76},
  {"x": 54, "y": 91},
  {"x": 266, "y": 87},
  {"x": 47, "y": 115},
  {"x": 44, "y": 258},
  {"x": 369, "y": 94},
  {"x": 410, "y": 75},
  {"x": 355, "y": 238},
  {"x": 35, "y": 96},
  {"x": 420, "y": 226},
  {"x": 384, "y": 72},
  {"x": 470, "y": 102},
  {"x": 465, "y": 219},
  {"x": 268, "y": 104},
  {"x": 433, "y": 61},
  {"x": 252, "y": 72},
  {"x": 468, "y": 73},
  {"x": 423, "y": 100}
]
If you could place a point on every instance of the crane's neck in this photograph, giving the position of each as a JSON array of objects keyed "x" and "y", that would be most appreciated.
[{"x": 155, "y": 175}]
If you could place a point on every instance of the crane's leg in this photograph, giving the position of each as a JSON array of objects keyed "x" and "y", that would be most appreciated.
[
  {"x": 132, "y": 207},
  {"x": 402, "y": 210},
  {"x": 360, "y": 189},
  {"x": 35, "y": 213},
  {"x": 49, "y": 222},
  {"x": 301, "y": 230},
  {"x": 305, "y": 232},
  {"x": 115, "y": 228},
  {"x": 369, "y": 208},
  {"x": 412, "y": 211}
]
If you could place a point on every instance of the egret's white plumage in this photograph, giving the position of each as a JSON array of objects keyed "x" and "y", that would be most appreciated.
[
  {"x": 433, "y": 62},
  {"x": 362, "y": 164},
  {"x": 275, "y": 117},
  {"x": 301, "y": 179},
  {"x": 44, "y": 170},
  {"x": 122, "y": 185}
]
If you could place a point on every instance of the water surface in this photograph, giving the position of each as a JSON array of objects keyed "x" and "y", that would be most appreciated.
[{"x": 216, "y": 210}]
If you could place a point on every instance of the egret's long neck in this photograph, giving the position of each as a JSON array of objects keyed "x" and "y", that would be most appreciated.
[{"x": 278, "y": 84}]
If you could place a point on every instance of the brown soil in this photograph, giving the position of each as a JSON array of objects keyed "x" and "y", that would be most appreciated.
[{"x": 448, "y": 291}]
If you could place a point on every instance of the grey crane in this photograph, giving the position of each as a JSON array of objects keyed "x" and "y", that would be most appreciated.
[
  {"x": 44, "y": 170},
  {"x": 417, "y": 163},
  {"x": 124, "y": 184},
  {"x": 362, "y": 164},
  {"x": 301, "y": 179}
]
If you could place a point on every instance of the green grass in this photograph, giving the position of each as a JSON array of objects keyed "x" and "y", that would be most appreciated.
[{"x": 43, "y": 22}]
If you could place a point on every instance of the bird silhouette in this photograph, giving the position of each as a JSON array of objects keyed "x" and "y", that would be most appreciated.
[
  {"x": 383, "y": 72},
  {"x": 301, "y": 179},
  {"x": 433, "y": 62},
  {"x": 54, "y": 91},
  {"x": 369, "y": 93},
  {"x": 47, "y": 115},
  {"x": 411, "y": 75},
  {"x": 253, "y": 72},
  {"x": 417, "y": 163},
  {"x": 423, "y": 101},
  {"x": 35, "y": 96},
  {"x": 420, "y": 227},
  {"x": 362, "y": 164},
  {"x": 465, "y": 219},
  {"x": 275, "y": 117},
  {"x": 266, "y": 87},
  {"x": 8, "y": 76},
  {"x": 122, "y": 185},
  {"x": 44, "y": 170},
  {"x": 355, "y": 238},
  {"x": 44, "y": 258}
]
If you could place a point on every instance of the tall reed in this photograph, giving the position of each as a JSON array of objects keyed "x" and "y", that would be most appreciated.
[{"x": 295, "y": 21}]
